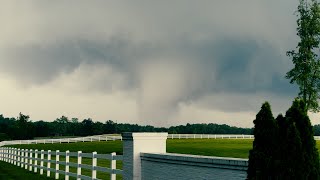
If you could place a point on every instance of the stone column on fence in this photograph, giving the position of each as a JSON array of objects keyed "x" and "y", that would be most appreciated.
[{"x": 133, "y": 145}]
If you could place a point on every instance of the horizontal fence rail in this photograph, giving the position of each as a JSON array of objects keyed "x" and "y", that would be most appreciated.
[
  {"x": 34, "y": 160},
  {"x": 209, "y": 136},
  {"x": 109, "y": 137},
  {"x": 103, "y": 137}
]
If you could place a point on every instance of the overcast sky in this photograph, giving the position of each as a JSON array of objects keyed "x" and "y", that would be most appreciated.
[{"x": 161, "y": 63}]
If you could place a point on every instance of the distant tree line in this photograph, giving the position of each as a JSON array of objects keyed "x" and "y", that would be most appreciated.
[{"x": 24, "y": 128}]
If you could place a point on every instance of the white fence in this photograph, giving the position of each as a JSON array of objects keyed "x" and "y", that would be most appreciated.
[
  {"x": 215, "y": 136},
  {"x": 108, "y": 137},
  {"x": 33, "y": 160},
  {"x": 64, "y": 140},
  {"x": 209, "y": 136}
]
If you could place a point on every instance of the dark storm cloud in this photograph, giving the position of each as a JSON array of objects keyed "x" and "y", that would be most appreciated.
[
  {"x": 41, "y": 63},
  {"x": 169, "y": 54},
  {"x": 230, "y": 64}
]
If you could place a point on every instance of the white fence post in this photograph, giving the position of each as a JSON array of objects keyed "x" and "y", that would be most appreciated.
[
  {"x": 67, "y": 165},
  {"x": 15, "y": 158},
  {"x": 57, "y": 164},
  {"x": 30, "y": 160},
  {"x": 10, "y": 155},
  {"x": 113, "y": 166},
  {"x": 19, "y": 157},
  {"x": 35, "y": 160},
  {"x": 79, "y": 161},
  {"x": 26, "y": 160},
  {"x": 134, "y": 144},
  {"x": 41, "y": 161},
  {"x": 49, "y": 163},
  {"x": 5, "y": 154},
  {"x": 22, "y": 158},
  {"x": 2, "y": 155},
  {"x": 94, "y": 164},
  {"x": 13, "y": 150}
]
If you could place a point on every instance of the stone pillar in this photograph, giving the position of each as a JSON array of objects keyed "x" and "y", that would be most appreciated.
[{"x": 136, "y": 143}]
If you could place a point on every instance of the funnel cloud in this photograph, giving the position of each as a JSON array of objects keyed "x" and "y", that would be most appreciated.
[{"x": 158, "y": 63}]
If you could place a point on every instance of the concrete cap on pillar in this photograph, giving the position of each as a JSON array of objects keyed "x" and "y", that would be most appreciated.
[{"x": 144, "y": 135}]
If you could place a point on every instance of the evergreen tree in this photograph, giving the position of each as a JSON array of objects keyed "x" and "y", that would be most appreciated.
[
  {"x": 284, "y": 149},
  {"x": 297, "y": 116},
  {"x": 290, "y": 161},
  {"x": 262, "y": 155}
]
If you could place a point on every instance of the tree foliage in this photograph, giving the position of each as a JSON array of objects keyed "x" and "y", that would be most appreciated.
[
  {"x": 285, "y": 148},
  {"x": 297, "y": 116},
  {"x": 306, "y": 71},
  {"x": 262, "y": 156},
  {"x": 24, "y": 128}
]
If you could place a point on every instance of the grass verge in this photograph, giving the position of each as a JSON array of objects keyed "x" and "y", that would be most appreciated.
[{"x": 12, "y": 172}]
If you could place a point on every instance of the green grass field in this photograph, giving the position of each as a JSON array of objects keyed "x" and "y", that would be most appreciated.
[
  {"x": 237, "y": 148},
  {"x": 209, "y": 147},
  {"x": 11, "y": 172}
]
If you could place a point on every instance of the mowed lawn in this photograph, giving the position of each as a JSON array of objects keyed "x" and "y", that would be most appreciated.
[
  {"x": 238, "y": 148},
  {"x": 210, "y": 147},
  {"x": 12, "y": 172}
]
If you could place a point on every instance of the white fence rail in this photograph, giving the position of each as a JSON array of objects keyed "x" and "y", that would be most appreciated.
[
  {"x": 109, "y": 137},
  {"x": 209, "y": 136},
  {"x": 34, "y": 160},
  {"x": 64, "y": 140}
]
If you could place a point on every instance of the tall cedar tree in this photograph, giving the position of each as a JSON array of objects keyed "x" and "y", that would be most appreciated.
[
  {"x": 294, "y": 155},
  {"x": 288, "y": 158},
  {"x": 307, "y": 157},
  {"x": 306, "y": 71},
  {"x": 262, "y": 155}
]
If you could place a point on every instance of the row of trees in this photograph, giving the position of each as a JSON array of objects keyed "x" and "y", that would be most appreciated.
[
  {"x": 284, "y": 148},
  {"x": 23, "y": 128}
]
